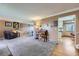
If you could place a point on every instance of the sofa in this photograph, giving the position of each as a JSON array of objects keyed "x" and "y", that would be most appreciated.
[
  {"x": 10, "y": 35},
  {"x": 67, "y": 34}
]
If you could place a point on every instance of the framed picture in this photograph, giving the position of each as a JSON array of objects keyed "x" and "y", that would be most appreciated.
[
  {"x": 55, "y": 23},
  {"x": 16, "y": 25},
  {"x": 8, "y": 24}
]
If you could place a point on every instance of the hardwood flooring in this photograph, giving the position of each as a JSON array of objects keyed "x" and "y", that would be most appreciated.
[{"x": 66, "y": 48}]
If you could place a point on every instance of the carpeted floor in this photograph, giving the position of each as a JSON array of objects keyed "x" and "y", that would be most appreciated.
[{"x": 28, "y": 47}]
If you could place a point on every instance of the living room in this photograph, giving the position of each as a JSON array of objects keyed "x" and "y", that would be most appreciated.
[{"x": 11, "y": 29}]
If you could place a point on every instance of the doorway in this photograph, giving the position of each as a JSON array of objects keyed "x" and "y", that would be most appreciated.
[{"x": 67, "y": 28}]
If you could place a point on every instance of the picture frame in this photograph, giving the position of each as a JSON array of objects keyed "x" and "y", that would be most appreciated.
[
  {"x": 16, "y": 25},
  {"x": 8, "y": 24},
  {"x": 55, "y": 23}
]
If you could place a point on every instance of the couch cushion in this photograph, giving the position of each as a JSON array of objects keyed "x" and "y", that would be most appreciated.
[{"x": 66, "y": 34}]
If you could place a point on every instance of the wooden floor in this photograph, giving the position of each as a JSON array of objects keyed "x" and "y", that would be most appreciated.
[{"x": 66, "y": 48}]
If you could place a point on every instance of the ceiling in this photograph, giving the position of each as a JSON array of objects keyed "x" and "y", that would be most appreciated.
[{"x": 28, "y": 11}]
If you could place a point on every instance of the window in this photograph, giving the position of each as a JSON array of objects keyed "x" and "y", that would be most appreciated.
[{"x": 70, "y": 27}]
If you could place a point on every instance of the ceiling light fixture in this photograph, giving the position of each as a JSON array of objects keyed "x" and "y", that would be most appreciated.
[{"x": 36, "y": 18}]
